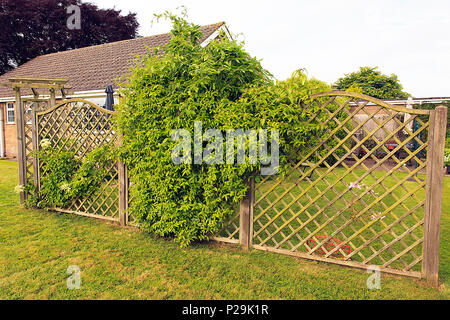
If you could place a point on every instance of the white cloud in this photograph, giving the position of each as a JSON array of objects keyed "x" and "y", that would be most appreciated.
[{"x": 329, "y": 38}]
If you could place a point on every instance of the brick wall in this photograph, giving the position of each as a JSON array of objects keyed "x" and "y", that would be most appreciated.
[
  {"x": 10, "y": 135},
  {"x": 2, "y": 124},
  {"x": 10, "y": 140}
]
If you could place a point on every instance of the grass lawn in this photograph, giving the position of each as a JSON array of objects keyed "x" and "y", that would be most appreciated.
[{"x": 37, "y": 247}]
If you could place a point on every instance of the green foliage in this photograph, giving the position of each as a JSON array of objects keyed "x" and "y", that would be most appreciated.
[
  {"x": 64, "y": 177},
  {"x": 447, "y": 157},
  {"x": 225, "y": 88},
  {"x": 432, "y": 106},
  {"x": 282, "y": 106},
  {"x": 92, "y": 172},
  {"x": 58, "y": 169},
  {"x": 373, "y": 83}
]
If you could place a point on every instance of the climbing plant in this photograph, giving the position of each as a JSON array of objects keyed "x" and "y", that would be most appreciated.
[
  {"x": 222, "y": 87},
  {"x": 65, "y": 177}
]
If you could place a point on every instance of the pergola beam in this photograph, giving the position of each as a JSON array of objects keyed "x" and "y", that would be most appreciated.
[{"x": 37, "y": 83}]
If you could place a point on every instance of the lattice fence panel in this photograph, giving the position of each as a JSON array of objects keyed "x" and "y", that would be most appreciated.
[
  {"x": 28, "y": 106},
  {"x": 230, "y": 231},
  {"x": 81, "y": 126},
  {"x": 358, "y": 196}
]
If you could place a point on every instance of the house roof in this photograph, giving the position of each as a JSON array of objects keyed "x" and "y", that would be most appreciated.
[
  {"x": 94, "y": 67},
  {"x": 413, "y": 101}
]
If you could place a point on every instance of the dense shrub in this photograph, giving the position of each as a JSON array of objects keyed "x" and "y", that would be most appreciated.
[{"x": 225, "y": 88}]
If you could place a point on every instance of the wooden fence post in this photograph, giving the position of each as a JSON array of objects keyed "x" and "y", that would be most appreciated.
[
  {"x": 123, "y": 194},
  {"x": 35, "y": 142},
  {"x": 52, "y": 98},
  {"x": 246, "y": 216},
  {"x": 433, "y": 201},
  {"x": 21, "y": 156}
]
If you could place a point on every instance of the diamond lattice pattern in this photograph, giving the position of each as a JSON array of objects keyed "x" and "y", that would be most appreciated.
[{"x": 358, "y": 195}]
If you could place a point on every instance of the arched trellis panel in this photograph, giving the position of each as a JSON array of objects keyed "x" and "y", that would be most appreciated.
[
  {"x": 367, "y": 193},
  {"x": 81, "y": 126}
]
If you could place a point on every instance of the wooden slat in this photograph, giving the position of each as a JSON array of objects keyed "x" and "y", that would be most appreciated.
[
  {"x": 84, "y": 214},
  {"x": 336, "y": 261},
  {"x": 226, "y": 240}
]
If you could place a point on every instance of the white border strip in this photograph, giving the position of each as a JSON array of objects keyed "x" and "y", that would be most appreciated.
[{"x": 215, "y": 34}]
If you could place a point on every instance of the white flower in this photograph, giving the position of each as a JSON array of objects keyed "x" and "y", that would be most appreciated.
[
  {"x": 447, "y": 159},
  {"x": 376, "y": 216},
  {"x": 45, "y": 143},
  {"x": 354, "y": 185},
  {"x": 65, "y": 186},
  {"x": 19, "y": 188}
]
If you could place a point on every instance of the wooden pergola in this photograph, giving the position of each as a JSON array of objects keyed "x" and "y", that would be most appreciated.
[{"x": 50, "y": 86}]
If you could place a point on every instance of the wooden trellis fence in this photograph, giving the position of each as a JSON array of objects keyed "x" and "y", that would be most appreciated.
[
  {"x": 352, "y": 202},
  {"x": 368, "y": 193},
  {"x": 77, "y": 125},
  {"x": 81, "y": 126}
]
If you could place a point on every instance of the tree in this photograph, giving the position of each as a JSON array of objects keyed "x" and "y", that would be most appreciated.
[
  {"x": 32, "y": 28},
  {"x": 373, "y": 83},
  {"x": 432, "y": 106}
]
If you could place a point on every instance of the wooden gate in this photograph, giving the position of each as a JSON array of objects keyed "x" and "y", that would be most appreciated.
[
  {"x": 80, "y": 126},
  {"x": 369, "y": 193}
]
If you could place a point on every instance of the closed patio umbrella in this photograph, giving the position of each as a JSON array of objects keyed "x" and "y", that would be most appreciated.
[{"x": 109, "y": 97}]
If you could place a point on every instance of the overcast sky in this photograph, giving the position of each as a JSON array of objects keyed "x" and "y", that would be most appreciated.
[{"x": 329, "y": 38}]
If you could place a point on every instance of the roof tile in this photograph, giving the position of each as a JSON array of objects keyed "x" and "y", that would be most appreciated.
[{"x": 94, "y": 67}]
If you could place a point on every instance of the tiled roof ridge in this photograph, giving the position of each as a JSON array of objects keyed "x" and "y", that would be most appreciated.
[{"x": 217, "y": 25}]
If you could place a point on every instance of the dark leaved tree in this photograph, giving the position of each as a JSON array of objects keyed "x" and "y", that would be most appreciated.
[{"x": 32, "y": 28}]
